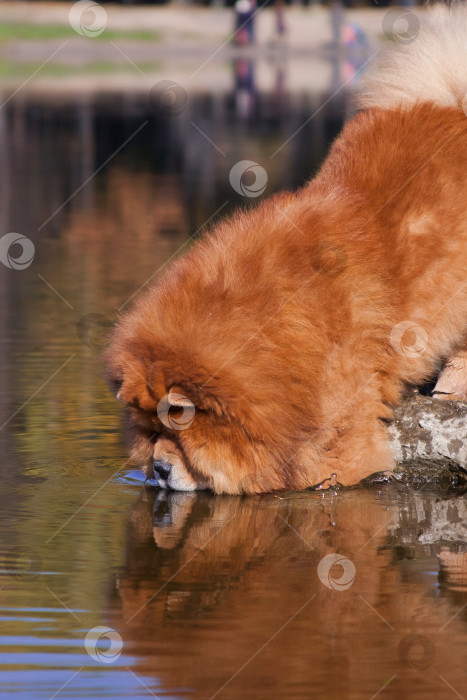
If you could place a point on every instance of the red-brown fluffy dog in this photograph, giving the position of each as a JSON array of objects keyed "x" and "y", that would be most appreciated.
[{"x": 267, "y": 356}]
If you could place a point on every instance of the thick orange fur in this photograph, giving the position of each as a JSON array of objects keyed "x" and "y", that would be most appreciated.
[{"x": 279, "y": 324}]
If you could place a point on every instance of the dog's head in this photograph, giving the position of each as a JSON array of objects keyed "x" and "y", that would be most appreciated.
[
  {"x": 218, "y": 395},
  {"x": 192, "y": 427}
]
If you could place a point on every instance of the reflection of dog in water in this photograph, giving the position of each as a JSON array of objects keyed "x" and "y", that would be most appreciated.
[
  {"x": 267, "y": 357},
  {"x": 211, "y": 579}
]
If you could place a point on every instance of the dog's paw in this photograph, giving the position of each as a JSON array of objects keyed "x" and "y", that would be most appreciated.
[{"x": 452, "y": 381}]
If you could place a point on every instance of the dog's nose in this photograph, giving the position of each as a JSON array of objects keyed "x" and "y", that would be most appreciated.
[{"x": 161, "y": 468}]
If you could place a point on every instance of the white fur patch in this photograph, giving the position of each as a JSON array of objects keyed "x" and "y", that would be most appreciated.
[{"x": 432, "y": 67}]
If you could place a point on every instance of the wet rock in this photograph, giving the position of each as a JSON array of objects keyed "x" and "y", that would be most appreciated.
[{"x": 429, "y": 437}]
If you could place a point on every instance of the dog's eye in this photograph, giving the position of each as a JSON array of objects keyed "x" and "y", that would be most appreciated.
[
  {"x": 176, "y": 410},
  {"x": 170, "y": 413},
  {"x": 164, "y": 411}
]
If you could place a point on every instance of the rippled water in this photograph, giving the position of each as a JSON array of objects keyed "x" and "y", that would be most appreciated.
[{"x": 201, "y": 596}]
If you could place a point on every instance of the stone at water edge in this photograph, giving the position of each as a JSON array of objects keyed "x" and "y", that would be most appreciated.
[{"x": 429, "y": 429}]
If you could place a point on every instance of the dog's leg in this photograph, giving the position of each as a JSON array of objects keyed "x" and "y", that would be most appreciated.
[{"x": 452, "y": 381}]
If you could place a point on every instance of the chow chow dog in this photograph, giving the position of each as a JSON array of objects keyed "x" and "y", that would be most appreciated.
[{"x": 269, "y": 356}]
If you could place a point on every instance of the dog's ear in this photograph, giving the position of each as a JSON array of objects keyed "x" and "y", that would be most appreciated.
[
  {"x": 115, "y": 382},
  {"x": 129, "y": 380}
]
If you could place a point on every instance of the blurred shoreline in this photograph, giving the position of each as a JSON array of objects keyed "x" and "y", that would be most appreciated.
[{"x": 41, "y": 52}]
